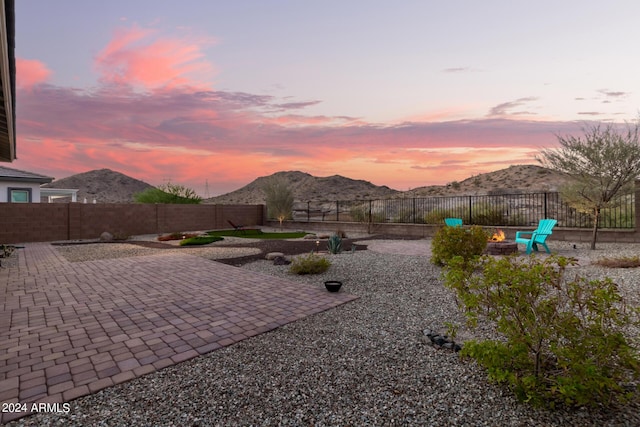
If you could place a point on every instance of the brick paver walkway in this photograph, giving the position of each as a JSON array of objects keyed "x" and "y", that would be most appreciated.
[{"x": 71, "y": 329}]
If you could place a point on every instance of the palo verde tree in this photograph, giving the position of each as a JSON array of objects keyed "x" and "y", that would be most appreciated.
[
  {"x": 168, "y": 193},
  {"x": 602, "y": 164},
  {"x": 279, "y": 199}
]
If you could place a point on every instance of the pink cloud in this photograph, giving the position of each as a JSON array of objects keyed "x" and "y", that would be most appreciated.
[
  {"x": 139, "y": 57},
  {"x": 30, "y": 72},
  {"x": 190, "y": 134}
]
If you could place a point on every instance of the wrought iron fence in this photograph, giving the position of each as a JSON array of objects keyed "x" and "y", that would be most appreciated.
[{"x": 499, "y": 210}]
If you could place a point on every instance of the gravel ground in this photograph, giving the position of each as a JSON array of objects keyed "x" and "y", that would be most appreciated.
[{"x": 364, "y": 363}]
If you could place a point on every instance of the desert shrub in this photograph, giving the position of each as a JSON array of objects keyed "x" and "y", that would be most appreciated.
[
  {"x": 564, "y": 340},
  {"x": 449, "y": 242},
  {"x": 309, "y": 264},
  {"x": 361, "y": 214},
  {"x": 168, "y": 193},
  {"x": 408, "y": 216},
  {"x": 487, "y": 214},
  {"x": 437, "y": 216},
  {"x": 200, "y": 240}
]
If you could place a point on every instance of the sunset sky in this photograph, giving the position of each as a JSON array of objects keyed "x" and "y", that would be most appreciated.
[{"x": 404, "y": 94}]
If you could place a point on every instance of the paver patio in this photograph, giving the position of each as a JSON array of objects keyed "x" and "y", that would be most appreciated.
[{"x": 71, "y": 329}]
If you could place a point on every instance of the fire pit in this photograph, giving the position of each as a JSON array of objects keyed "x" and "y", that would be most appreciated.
[{"x": 498, "y": 245}]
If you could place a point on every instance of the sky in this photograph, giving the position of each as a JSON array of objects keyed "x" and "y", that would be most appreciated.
[{"x": 213, "y": 94}]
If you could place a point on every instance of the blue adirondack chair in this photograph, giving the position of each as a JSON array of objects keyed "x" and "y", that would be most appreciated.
[
  {"x": 538, "y": 236},
  {"x": 453, "y": 222}
]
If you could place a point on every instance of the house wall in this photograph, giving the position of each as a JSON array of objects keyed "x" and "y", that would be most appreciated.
[
  {"x": 5, "y": 185},
  {"x": 45, "y": 222}
]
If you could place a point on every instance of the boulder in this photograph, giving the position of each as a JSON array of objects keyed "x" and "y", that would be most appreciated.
[
  {"x": 106, "y": 237},
  {"x": 280, "y": 260},
  {"x": 273, "y": 255}
]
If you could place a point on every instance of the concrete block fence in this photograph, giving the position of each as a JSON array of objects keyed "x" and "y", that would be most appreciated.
[{"x": 45, "y": 222}]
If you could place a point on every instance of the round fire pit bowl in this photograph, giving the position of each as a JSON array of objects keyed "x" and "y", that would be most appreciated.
[
  {"x": 504, "y": 247},
  {"x": 332, "y": 285}
]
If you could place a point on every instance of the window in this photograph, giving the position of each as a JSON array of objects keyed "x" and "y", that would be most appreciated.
[{"x": 20, "y": 195}]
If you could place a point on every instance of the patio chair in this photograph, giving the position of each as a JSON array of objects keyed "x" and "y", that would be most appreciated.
[
  {"x": 538, "y": 236},
  {"x": 236, "y": 227},
  {"x": 453, "y": 222}
]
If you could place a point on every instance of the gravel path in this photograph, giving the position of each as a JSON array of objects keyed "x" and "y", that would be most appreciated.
[{"x": 364, "y": 363}]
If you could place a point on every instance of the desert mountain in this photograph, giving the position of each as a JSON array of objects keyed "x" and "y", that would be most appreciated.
[
  {"x": 103, "y": 185},
  {"x": 307, "y": 187},
  {"x": 514, "y": 179},
  {"x": 107, "y": 186}
]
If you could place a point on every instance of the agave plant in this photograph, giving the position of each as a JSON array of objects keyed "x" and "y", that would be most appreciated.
[{"x": 334, "y": 244}]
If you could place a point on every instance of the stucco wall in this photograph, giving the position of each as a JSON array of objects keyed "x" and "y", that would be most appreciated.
[{"x": 4, "y": 190}]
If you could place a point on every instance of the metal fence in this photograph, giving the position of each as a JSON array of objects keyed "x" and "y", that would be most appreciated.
[{"x": 499, "y": 210}]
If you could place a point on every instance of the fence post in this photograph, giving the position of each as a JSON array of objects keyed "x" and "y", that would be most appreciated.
[
  {"x": 413, "y": 215},
  {"x": 470, "y": 221},
  {"x": 545, "y": 205}
]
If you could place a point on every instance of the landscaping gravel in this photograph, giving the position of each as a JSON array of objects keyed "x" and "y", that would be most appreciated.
[{"x": 367, "y": 362}]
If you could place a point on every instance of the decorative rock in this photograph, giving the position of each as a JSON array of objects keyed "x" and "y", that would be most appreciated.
[
  {"x": 273, "y": 255},
  {"x": 441, "y": 341},
  {"x": 310, "y": 237},
  {"x": 280, "y": 260},
  {"x": 106, "y": 237}
]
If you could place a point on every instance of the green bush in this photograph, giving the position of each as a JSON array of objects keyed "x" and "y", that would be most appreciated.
[
  {"x": 200, "y": 240},
  {"x": 487, "y": 214},
  {"x": 309, "y": 264},
  {"x": 449, "y": 242},
  {"x": 564, "y": 341}
]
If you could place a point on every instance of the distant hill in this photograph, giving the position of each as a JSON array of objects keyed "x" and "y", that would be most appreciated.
[
  {"x": 103, "y": 185},
  {"x": 107, "y": 186},
  {"x": 308, "y": 187},
  {"x": 514, "y": 179}
]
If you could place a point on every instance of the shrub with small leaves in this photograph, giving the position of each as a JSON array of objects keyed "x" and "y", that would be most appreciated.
[
  {"x": 309, "y": 264},
  {"x": 565, "y": 340},
  {"x": 449, "y": 242}
]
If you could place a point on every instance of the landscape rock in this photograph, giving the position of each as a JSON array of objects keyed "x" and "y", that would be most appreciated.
[
  {"x": 106, "y": 237},
  {"x": 280, "y": 260},
  {"x": 273, "y": 255}
]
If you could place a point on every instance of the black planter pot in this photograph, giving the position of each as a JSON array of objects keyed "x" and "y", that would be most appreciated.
[{"x": 332, "y": 285}]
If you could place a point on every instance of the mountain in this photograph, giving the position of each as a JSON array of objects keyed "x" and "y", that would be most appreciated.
[
  {"x": 308, "y": 187},
  {"x": 514, "y": 179},
  {"x": 103, "y": 185},
  {"x": 107, "y": 186}
]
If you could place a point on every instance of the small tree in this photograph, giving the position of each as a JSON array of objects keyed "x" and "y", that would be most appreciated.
[
  {"x": 168, "y": 193},
  {"x": 601, "y": 164},
  {"x": 279, "y": 198}
]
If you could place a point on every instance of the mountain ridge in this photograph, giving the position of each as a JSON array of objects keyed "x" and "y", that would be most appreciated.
[{"x": 107, "y": 186}]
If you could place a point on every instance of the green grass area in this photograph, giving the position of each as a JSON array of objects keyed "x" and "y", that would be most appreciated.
[
  {"x": 256, "y": 234},
  {"x": 200, "y": 240}
]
